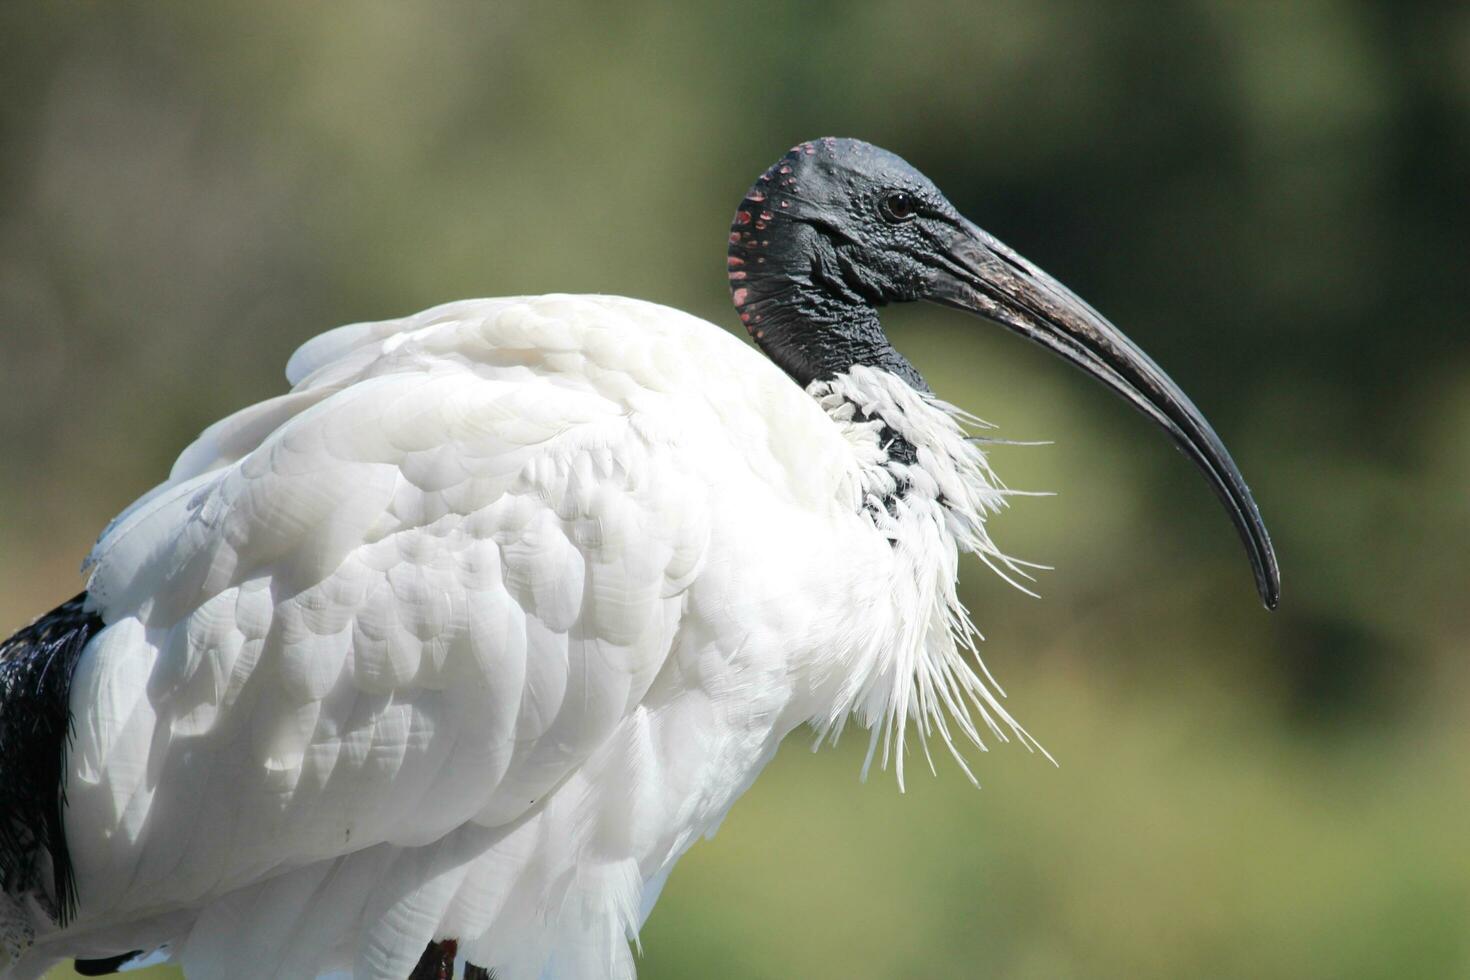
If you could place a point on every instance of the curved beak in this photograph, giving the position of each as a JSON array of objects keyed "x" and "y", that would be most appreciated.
[{"x": 981, "y": 275}]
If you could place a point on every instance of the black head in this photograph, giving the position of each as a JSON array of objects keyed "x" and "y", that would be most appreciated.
[
  {"x": 837, "y": 228},
  {"x": 833, "y": 230}
]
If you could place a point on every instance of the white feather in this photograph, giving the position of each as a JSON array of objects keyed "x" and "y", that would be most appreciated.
[{"x": 474, "y": 632}]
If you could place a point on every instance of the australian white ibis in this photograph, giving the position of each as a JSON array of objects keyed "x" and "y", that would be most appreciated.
[{"x": 467, "y": 638}]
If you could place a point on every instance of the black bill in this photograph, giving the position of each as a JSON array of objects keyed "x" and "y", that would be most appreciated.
[{"x": 984, "y": 277}]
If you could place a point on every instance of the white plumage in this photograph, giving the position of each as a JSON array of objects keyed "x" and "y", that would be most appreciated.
[
  {"x": 473, "y": 633},
  {"x": 478, "y": 628}
]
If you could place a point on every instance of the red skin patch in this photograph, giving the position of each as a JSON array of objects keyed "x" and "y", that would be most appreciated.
[
  {"x": 734, "y": 260},
  {"x": 737, "y": 276},
  {"x": 766, "y": 216},
  {"x": 742, "y": 217},
  {"x": 739, "y": 296},
  {"x": 756, "y": 197},
  {"x": 745, "y": 318},
  {"x": 734, "y": 237}
]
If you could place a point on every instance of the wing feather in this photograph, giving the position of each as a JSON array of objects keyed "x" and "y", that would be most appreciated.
[{"x": 416, "y": 592}]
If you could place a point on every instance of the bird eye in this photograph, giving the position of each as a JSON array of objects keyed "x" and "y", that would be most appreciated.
[{"x": 899, "y": 206}]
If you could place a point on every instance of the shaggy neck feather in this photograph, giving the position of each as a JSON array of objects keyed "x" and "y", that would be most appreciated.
[{"x": 931, "y": 503}]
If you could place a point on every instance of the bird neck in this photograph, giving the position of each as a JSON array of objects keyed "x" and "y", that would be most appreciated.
[
  {"x": 815, "y": 336},
  {"x": 912, "y": 637},
  {"x": 808, "y": 308}
]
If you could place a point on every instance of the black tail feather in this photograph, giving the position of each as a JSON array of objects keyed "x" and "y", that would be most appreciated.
[{"x": 36, "y": 666}]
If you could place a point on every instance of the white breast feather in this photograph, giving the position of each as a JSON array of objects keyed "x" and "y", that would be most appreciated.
[{"x": 473, "y": 632}]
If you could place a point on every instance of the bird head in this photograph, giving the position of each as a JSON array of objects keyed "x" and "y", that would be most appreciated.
[
  {"x": 859, "y": 217},
  {"x": 837, "y": 228}
]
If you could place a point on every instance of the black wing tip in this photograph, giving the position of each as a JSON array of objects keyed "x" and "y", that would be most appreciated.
[
  {"x": 36, "y": 666},
  {"x": 104, "y": 966}
]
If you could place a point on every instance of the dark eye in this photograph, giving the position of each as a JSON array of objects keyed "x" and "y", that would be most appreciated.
[{"x": 899, "y": 206}]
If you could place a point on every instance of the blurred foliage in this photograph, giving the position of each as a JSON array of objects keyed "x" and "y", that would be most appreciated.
[{"x": 1270, "y": 198}]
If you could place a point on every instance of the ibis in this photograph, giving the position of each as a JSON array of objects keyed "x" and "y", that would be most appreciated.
[{"x": 451, "y": 651}]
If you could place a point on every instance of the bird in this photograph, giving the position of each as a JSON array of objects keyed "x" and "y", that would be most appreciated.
[{"x": 453, "y": 649}]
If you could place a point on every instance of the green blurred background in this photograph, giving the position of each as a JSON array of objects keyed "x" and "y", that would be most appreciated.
[{"x": 1270, "y": 198}]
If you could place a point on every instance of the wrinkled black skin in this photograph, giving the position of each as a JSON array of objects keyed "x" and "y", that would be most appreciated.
[{"x": 815, "y": 275}]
